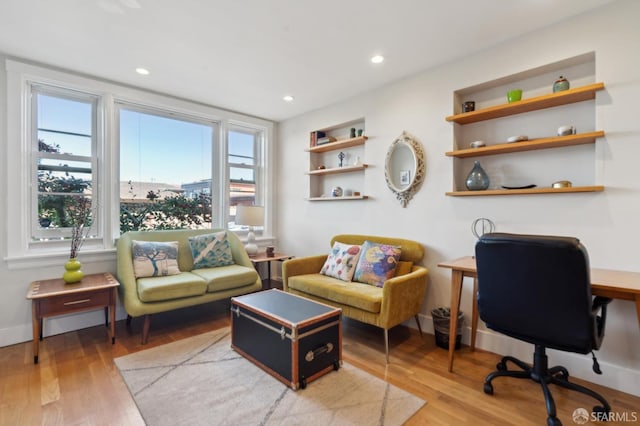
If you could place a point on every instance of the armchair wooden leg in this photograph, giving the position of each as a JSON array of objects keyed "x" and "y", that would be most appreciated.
[
  {"x": 386, "y": 344},
  {"x": 145, "y": 329},
  {"x": 418, "y": 323}
]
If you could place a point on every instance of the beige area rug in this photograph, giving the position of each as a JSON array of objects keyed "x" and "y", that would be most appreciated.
[{"x": 202, "y": 381}]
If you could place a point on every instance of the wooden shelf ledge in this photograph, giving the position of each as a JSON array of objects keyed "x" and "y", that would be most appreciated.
[
  {"x": 334, "y": 146},
  {"x": 572, "y": 189},
  {"x": 565, "y": 97},
  {"x": 530, "y": 145},
  {"x": 346, "y": 169},
  {"x": 359, "y": 197}
]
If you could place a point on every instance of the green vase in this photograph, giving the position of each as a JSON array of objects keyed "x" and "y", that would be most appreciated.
[{"x": 72, "y": 273}]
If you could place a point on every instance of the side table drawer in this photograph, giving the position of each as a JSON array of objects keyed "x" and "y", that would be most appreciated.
[{"x": 74, "y": 302}]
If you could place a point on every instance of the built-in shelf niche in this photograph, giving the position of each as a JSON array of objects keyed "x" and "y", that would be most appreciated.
[
  {"x": 325, "y": 171},
  {"x": 545, "y": 157}
]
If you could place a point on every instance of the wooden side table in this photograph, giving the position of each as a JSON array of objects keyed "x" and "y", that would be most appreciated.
[
  {"x": 262, "y": 257},
  {"x": 55, "y": 297}
]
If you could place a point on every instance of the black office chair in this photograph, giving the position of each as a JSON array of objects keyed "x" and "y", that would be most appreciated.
[{"x": 537, "y": 289}]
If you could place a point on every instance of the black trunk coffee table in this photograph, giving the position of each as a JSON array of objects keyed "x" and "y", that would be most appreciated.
[{"x": 294, "y": 339}]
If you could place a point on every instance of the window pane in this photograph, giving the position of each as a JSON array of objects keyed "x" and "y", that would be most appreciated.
[
  {"x": 165, "y": 172},
  {"x": 241, "y": 147},
  {"x": 60, "y": 211},
  {"x": 63, "y": 159},
  {"x": 237, "y": 174},
  {"x": 69, "y": 176},
  {"x": 64, "y": 126},
  {"x": 243, "y": 166}
]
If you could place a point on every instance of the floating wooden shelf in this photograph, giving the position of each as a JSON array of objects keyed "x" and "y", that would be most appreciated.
[
  {"x": 359, "y": 197},
  {"x": 530, "y": 145},
  {"x": 333, "y": 146},
  {"x": 335, "y": 170},
  {"x": 565, "y": 97},
  {"x": 526, "y": 191}
]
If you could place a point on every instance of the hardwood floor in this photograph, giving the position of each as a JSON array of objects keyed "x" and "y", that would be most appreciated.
[{"x": 76, "y": 382}]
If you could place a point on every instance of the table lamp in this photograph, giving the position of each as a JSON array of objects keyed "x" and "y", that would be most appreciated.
[{"x": 250, "y": 216}]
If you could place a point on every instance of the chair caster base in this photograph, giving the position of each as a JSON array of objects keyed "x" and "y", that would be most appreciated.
[{"x": 553, "y": 421}]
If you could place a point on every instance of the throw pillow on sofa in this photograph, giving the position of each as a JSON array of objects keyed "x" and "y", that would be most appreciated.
[
  {"x": 341, "y": 262},
  {"x": 377, "y": 263},
  {"x": 155, "y": 259},
  {"x": 211, "y": 250}
]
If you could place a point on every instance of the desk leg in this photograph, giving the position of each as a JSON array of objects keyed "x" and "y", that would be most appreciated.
[
  {"x": 474, "y": 315},
  {"x": 456, "y": 292},
  {"x": 37, "y": 328}
]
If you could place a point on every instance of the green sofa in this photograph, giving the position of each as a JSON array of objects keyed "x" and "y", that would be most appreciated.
[
  {"x": 152, "y": 295},
  {"x": 399, "y": 299}
]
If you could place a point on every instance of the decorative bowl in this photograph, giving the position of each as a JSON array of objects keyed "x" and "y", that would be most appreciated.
[
  {"x": 566, "y": 130},
  {"x": 519, "y": 138}
]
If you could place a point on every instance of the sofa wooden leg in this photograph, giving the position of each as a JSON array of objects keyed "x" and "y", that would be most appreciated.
[
  {"x": 128, "y": 322},
  {"x": 145, "y": 329},
  {"x": 386, "y": 344},
  {"x": 418, "y": 322}
]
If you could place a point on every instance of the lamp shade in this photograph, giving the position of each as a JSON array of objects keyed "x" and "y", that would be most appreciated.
[{"x": 249, "y": 215}]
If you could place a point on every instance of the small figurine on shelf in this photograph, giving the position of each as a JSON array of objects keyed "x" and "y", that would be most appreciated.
[
  {"x": 341, "y": 158},
  {"x": 352, "y": 132},
  {"x": 560, "y": 84}
]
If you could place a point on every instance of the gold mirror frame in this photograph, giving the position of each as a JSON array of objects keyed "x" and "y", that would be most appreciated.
[{"x": 406, "y": 193}]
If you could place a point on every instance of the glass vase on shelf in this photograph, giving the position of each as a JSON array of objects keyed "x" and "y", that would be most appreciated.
[{"x": 477, "y": 179}]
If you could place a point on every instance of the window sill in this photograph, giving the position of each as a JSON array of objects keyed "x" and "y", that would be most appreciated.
[{"x": 57, "y": 259}]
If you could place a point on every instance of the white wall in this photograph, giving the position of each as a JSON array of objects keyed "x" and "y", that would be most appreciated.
[{"x": 607, "y": 223}]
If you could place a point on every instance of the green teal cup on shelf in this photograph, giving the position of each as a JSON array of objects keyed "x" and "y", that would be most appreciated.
[{"x": 514, "y": 95}]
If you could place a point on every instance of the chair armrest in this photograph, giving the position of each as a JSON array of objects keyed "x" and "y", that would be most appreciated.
[
  {"x": 128, "y": 288},
  {"x": 301, "y": 266},
  {"x": 402, "y": 297},
  {"x": 599, "y": 307}
]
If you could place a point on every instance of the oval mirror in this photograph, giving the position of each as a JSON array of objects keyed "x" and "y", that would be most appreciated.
[{"x": 404, "y": 168}]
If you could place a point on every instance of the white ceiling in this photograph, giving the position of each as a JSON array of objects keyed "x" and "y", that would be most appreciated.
[{"x": 245, "y": 55}]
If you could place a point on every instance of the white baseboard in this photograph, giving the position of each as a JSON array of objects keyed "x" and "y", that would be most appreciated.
[
  {"x": 56, "y": 325},
  {"x": 613, "y": 376}
]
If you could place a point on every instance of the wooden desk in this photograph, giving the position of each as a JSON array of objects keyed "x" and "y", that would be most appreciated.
[
  {"x": 622, "y": 285},
  {"x": 262, "y": 257},
  {"x": 55, "y": 297}
]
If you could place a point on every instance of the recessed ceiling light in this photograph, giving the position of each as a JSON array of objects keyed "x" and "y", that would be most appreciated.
[
  {"x": 288, "y": 98},
  {"x": 142, "y": 71},
  {"x": 377, "y": 59}
]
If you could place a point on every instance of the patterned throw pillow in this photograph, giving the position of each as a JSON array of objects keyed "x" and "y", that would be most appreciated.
[
  {"x": 377, "y": 263},
  {"x": 155, "y": 259},
  {"x": 341, "y": 262},
  {"x": 211, "y": 250}
]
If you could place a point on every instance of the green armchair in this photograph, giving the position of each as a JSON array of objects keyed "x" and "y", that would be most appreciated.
[{"x": 399, "y": 299}]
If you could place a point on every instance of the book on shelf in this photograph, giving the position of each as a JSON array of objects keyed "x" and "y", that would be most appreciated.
[
  {"x": 326, "y": 139},
  {"x": 318, "y": 134}
]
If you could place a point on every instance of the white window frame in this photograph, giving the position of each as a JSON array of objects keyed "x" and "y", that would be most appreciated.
[
  {"x": 120, "y": 104},
  {"x": 20, "y": 253},
  {"x": 257, "y": 166},
  {"x": 96, "y": 144}
]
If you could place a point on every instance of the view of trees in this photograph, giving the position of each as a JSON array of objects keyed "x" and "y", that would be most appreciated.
[
  {"x": 173, "y": 212},
  {"x": 59, "y": 192}
]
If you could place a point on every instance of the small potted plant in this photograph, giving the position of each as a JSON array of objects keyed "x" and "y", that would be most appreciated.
[{"x": 79, "y": 215}]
